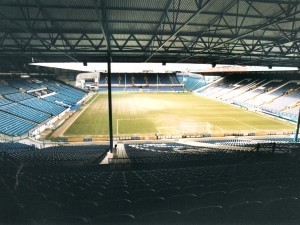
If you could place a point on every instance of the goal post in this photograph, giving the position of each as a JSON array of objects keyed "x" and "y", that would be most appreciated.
[{"x": 192, "y": 128}]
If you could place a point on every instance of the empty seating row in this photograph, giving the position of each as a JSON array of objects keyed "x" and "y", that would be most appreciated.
[
  {"x": 17, "y": 97},
  {"x": 4, "y": 101},
  {"x": 14, "y": 126},
  {"x": 259, "y": 193},
  {"x": 4, "y": 90},
  {"x": 177, "y": 152},
  {"x": 58, "y": 155},
  {"x": 25, "y": 112},
  {"x": 7, "y": 146},
  {"x": 44, "y": 106}
]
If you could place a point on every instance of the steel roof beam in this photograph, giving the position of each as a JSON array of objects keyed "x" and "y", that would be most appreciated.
[
  {"x": 216, "y": 19},
  {"x": 178, "y": 30},
  {"x": 161, "y": 20},
  {"x": 264, "y": 26},
  {"x": 35, "y": 35},
  {"x": 55, "y": 6},
  {"x": 101, "y": 20}
]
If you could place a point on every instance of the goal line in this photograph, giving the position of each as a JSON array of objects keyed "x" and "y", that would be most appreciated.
[{"x": 190, "y": 128}]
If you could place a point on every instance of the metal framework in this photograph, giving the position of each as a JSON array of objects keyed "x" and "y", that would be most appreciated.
[{"x": 241, "y": 32}]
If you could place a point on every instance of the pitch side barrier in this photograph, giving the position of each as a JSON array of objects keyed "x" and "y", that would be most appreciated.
[{"x": 145, "y": 138}]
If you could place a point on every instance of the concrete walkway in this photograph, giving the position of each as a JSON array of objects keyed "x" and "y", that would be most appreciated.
[{"x": 120, "y": 155}]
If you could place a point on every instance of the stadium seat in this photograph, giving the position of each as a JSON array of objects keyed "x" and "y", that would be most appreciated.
[
  {"x": 193, "y": 189},
  {"x": 68, "y": 220},
  {"x": 62, "y": 197},
  {"x": 40, "y": 211},
  {"x": 245, "y": 213},
  {"x": 217, "y": 198},
  {"x": 86, "y": 209},
  {"x": 111, "y": 195},
  {"x": 168, "y": 192},
  {"x": 266, "y": 194},
  {"x": 239, "y": 185},
  {"x": 243, "y": 195},
  {"x": 218, "y": 187},
  {"x": 114, "y": 219},
  {"x": 205, "y": 215},
  {"x": 182, "y": 203},
  {"x": 167, "y": 217},
  {"x": 12, "y": 211},
  {"x": 141, "y": 193},
  {"x": 148, "y": 204},
  {"x": 282, "y": 210},
  {"x": 89, "y": 196},
  {"x": 119, "y": 206}
]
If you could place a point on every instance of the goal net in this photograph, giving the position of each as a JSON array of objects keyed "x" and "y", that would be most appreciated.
[{"x": 195, "y": 128}]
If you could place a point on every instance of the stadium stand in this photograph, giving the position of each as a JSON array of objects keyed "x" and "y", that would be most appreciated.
[
  {"x": 139, "y": 79},
  {"x": 191, "y": 83},
  {"x": 4, "y": 90},
  {"x": 178, "y": 89},
  {"x": 166, "y": 89},
  {"x": 140, "y": 82},
  {"x": 152, "y": 78},
  {"x": 261, "y": 189},
  {"x": 40, "y": 104},
  {"x": 16, "y": 84},
  {"x": 25, "y": 112},
  {"x": 56, "y": 156},
  {"x": 14, "y": 126},
  {"x": 34, "y": 100},
  {"x": 17, "y": 97},
  {"x": 4, "y": 101},
  {"x": 270, "y": 95}
]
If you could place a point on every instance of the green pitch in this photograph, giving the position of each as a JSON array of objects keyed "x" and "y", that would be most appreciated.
[{"x": 167, "y": 114}]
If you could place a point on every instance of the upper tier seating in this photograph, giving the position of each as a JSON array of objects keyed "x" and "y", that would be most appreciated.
[
  {"x": 30, "y": 106},
  {"x": 44, "y": 106},
  {"x": 284, "y": 101},
  {"x": 268, "y": 96},
  {"x": 4, "y": 90},
  {"x": 25, "y": 112},
  {"x": 29, "y": 83},
  {"x": 271, "y": 94},
  {"x": 17, "y": 97},
  {"x": 257, "y": 91},
  {"x": 4, "y": 101},
  {"x": 14, "y": 126},
  {"x": 16, "y": 83}
]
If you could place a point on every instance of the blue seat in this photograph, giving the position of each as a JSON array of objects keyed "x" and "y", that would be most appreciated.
[
  {"x": 247, "y": 212},
  {"x": 161, "y": 217},
  {"x": 205, "y": 215}
]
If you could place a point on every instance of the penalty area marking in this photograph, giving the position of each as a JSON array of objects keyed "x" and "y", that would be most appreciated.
[
  {"x": 170, "y": 128},
  {"x": 145, "y": 118},
  {"x": 243, "y": 123}
]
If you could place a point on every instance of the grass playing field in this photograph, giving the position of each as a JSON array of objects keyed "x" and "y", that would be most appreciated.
[{"x": 168, "y": 114}]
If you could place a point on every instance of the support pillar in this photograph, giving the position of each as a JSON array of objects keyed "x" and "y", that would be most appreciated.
[
  {"x": 297, "y": 128},
  {"x": 110, "y": 123}
]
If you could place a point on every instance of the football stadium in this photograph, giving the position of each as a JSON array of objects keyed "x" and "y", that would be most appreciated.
[{"x": 149, "y": 112}]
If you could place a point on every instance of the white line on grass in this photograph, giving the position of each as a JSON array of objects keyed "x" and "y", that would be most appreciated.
[
  {"x": 219, "y": 127},
  {"x": 145, "y": 118},
  {"x": 243, "y": 123},
  {"x": 266, "y": 116},
  {"x": 84, "y": 108},
  {"x": 158, "y": 129}
]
